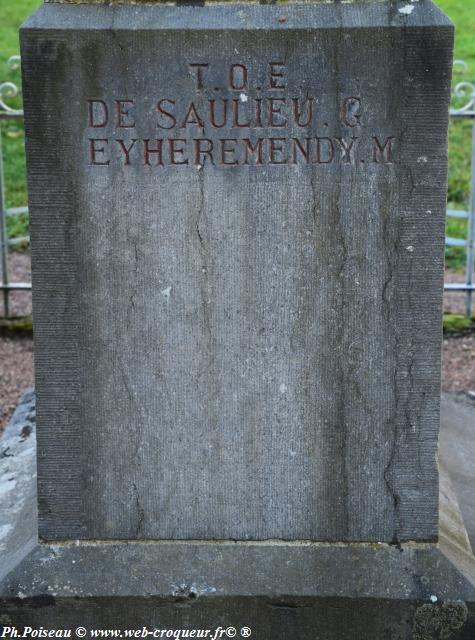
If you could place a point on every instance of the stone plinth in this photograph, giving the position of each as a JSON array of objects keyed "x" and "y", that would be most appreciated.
[
  {"x": 237, "y": 219},
  {"x": 280, "y": 590}
]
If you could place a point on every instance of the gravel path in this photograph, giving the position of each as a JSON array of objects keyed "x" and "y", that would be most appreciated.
[
  {"x": 16, "y": 354},
  {"x": 19, "y": 270},
  {"x": 454, "y": 302},
  {"x": 458, "y": 364},
  {"x": 458, "y": 354},
  {"x": 16, "y": 373}
]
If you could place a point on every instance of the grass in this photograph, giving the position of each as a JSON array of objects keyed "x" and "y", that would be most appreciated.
[
  {"x": 16, "y": 327},
  {"x": 12, "y": 14},
  {"x": 462, "y": 13},
  {"x": 456, "y": 324}
]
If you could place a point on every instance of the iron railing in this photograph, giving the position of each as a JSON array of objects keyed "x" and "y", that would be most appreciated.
[
  {"x": 8, "y": 90},
  {"x": 463, "y": 91}
]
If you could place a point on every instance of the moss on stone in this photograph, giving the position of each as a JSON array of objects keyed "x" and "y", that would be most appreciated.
[
  {"x": 440, "y": 621},
  {"x": 455, "y": 323},
  {"x": 16, "y": 326}
]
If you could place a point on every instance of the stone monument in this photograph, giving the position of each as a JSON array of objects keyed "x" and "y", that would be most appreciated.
[{"x": 237, "y": 221}]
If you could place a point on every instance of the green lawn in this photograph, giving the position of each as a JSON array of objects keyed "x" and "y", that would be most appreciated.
[
  {"x": 462, "y": 13},
  {"x": 12, "y": 13}
]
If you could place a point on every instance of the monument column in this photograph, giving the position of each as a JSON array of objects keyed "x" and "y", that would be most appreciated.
[{"x": 237, "y": 222}]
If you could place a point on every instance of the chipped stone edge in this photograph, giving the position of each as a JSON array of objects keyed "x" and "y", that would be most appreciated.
[
  {"x": 213, "y": 2},
  {"x": 18, "y": 484}
]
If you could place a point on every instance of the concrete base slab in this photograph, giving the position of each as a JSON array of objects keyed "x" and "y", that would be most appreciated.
[
  {"x": 457, "y": 451},
  {"x": 306, "y": 591},
  {"x": 278, "y": 589},
  {"x": 18, "y": 512}
]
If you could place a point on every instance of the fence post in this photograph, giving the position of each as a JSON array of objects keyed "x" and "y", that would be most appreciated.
[
  {"x": 3, "y": 237},
  {"x": 471, "y": 232}
]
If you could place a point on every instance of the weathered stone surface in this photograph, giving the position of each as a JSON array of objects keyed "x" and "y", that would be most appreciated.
[
  {"x": 457, "y": 451},
  {"x": 245, "y": 346},
  {"x": 244, "y": 343},
  {"x": 198, "y": 2},
  {"x": 18, "y": 512},
  {"x": 344, "y": 587},
  {"x": 281, "y": 590},
  {"x": 315, "y": 591}
]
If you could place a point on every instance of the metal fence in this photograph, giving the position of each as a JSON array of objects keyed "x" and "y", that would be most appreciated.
[
  {"x": 463, "y": 94},
  {"x": 8, "y": 90}
]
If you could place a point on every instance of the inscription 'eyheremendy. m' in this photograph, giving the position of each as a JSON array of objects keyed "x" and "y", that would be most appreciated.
[{"x": 251, "y": 125}]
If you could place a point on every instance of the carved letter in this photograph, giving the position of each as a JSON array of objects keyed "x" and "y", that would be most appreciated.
[
  {"x": 275, "y": 75},
  {"x": 349, "y": 115},
  {"x": 147, "y": 152},
  {"x": 176, "y": 150},
  {"x": 225, "y": 151},
  {"x": 93, "y": 120},
  {"x": 298, "y": 145},
  {"x": 276, "y": 146},
  {"x": 199, "y": 66},
  {"x": 121, "y": 115},
  {"x": 346, "y": 149},
  {"x": 192, "y": 117},
  {"x": 256, "y": 150},
  {"x": 212, "y": 115},
  {"x": 275, "y": 111},
  {"x": 199, "y": 151},
  {"x": 93, "y": 150},
  {"x": 330, "y": 150},
  {"x": 297, "y": 114},
  {"x": 166, "y": 113},
  {"x": 383, "y": 153},
  {"x": 237, "y": 76},
  {"x": 236, "y": 123},
  {"x": 126, "y": 150},
  {"x": 258, "y": 102}
]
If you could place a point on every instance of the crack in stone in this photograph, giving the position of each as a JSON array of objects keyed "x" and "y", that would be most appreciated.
[
  {"x": 140, "y": 512},
  {"x": 313, "y": 185},
  {"x": 391, "y": 246},
  {"x": 389, "y": 484},
  {"x": 343, "y": 375},
  {"x": 385, "y": 295},
  {"x": 204, "y": 258},
  {"x": 134, "y": 292},
  {"x": 395, "y": 496},
  {"x": 410, "y": 376}
]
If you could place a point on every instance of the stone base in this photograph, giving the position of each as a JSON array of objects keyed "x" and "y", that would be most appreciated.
[
  {"x": 305, "y": 591},
  {"x": 281, "y": 591}
]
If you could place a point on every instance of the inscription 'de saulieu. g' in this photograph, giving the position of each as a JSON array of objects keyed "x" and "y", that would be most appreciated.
[{"x": 262, "y": 124}]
